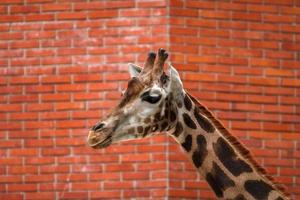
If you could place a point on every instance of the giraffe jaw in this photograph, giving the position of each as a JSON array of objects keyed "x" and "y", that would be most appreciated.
[{"x": 98, "y": 143}]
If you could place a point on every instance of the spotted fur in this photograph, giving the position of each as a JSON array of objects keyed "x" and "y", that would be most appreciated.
[
  {"x": 218, "y": 180},
  {"x": 188, "y": 121},
  {"x": 187, "y": 144},
  {"x": 229, "y": 158},
  {"x": 258, "y": 189},
  {"x": 201, "y": 152}
]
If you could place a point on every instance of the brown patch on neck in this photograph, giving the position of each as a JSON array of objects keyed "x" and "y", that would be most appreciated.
[
  {"x": 238, "y": 146},
  {"x": 135, "y": 86}
]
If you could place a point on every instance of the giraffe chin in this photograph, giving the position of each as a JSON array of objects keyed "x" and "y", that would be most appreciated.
[{"x": 98, "y": 144}]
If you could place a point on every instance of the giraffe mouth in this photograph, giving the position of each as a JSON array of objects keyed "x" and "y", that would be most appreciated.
[{"x": 95, "y": 141}]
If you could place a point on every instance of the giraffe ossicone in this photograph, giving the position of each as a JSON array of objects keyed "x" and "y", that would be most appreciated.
[{"x": 155, "y": 102}]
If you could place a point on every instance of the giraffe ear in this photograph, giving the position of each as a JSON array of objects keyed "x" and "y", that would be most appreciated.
[
  {"x": 134, "y": 70},
  {"x": 175, "y": 81}
]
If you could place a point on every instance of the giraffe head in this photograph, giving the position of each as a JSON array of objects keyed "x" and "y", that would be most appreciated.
[{"x": 148, "y": 105}]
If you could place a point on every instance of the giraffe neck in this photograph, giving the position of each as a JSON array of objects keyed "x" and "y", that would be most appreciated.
[{"x": 220, "y": 159}]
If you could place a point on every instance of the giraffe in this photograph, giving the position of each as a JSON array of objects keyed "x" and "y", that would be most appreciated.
[{"x": 156, "y": 102}]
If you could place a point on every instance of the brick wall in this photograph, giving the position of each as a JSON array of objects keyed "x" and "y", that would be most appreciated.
[{"x": 62, "y": 64}]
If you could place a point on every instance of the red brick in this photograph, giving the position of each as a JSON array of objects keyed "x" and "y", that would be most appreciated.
[
  {"x": 70, "y": 141},
  {"x": 71, "y": 177},
  {"x": 290, "y": 64},
  {"x": 104, "y": 159},
  {"x": 71, "y": 51},
  {"x": 246, "y": 16},
  {"x": 118, "y": 185},
  {"x": 55, "y": 97},
  {"x": 10, "y": 143},
  {"x": 54, "y": 187},
  {"x": 231, "y": 43},
  {"x": 24, "y": 80},
  {"x": 56, "y": 43},
  {"x": 39, "y": 160},
  {"x": 10, "y": 107},
  {"x": 290, "y": 10},
  {"x": 262, "y": 8},
  {"x": 135, "y": 13},
  {"x": 74, "y": 195},
  {"x": 278, "y": 19},
  {"x": 278, "y": 72},
  {"x": 184, "y": 13},
  {"x": 103, "y": 14},
  {"x": 57, "y": 25},
  {"x": 135, "y": 158},
  {"x": 263, "y": 81},
  {"x": 11, "y": 161},
  {"x": 54, "y": 115},
  {"x": 88, "y": 78},
  {"x": 55, "y": 169},
  {"x": 22, "y": 187},
  {"x": 118, "y": 167},
  {"x": 278, "y": 108},
  {"x": 290, "y": 47},
  {"x": 151, "y": 166},
  {"x": 106, "y": 194},
  {"x": 215, "y": 14},
  {"x": 106, "y": 176},
  {"x": 23, "y": 98},
  {"x": 39, "y": 143},
  {"x": 102, "y": 86},
  {"x": 11, "y": 18},
  {"x": 85, "y": 186},
  {"x": 233, "y": 25},
  {"x": 89, "y": 6},
  {"x": 87, "y": 96},
  {"x": 23, "y": 170},
  {"x": 12, "y": 196},
  {"x": 10, "y": 125},
  {"x": 151, "y": 184},
  {"x": 55, "y": 7},
  {"x": 23, "y": 134},
  {"x": 69, "y": 106},
  {"x": 247, "y": 107},
  {"x": 263, "y": 27},
  {"x": 24, "y": 9},
  {"x": 39, "y": 107},
  {"x": 71, "y": 15},
  {"x": 204, "y": 59},
  {"x": 11, "y": 36},
  {"x": 40, "y": 195},
  {"x": 138, "y": 193},
  {"x": 39, "y": 17},
  {"x": 291, "y": 100},
  {"x": 136, "y": 176},
  {"x": 71, "y": 88},
  {"x": 56, "y": 133},
  {"x": 278, "y": 36},
  {"x": 56, "y": 79},
  {"x": 291, "y": 82},
  {"x": 40, "y": 35},
  {"x": 77, "y": 160},
  {"x": 279, "y": 54},
  {"x": 55, "y": 152}
]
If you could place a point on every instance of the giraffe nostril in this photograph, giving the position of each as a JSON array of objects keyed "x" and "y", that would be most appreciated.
[{"x": 98, "y": 126}]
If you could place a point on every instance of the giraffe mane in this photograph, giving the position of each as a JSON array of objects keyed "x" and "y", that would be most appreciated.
[{"x": 239, "y": 146}]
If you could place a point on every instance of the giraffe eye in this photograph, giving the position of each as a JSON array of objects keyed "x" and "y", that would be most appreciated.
[{"x": 153, "y": 98}]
